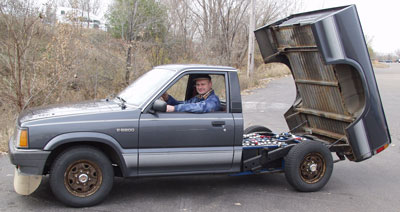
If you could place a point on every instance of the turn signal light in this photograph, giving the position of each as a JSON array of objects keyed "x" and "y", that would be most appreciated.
[
  {"x": 382, "y": 148},
  {"x": 23, "y": 138}
]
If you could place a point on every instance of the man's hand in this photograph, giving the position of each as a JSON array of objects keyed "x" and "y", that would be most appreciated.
[
  {"x": 170, "y": 108},
  {"x": 165, "y": 96}
]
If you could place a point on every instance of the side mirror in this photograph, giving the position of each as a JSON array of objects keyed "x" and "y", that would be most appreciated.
[{"x": 160, "y": 106}]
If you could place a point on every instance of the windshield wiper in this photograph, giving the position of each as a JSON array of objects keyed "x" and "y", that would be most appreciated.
[{"x": 123, "y": 106}]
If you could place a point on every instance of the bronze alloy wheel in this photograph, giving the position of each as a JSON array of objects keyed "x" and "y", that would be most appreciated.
[
  {"x": 312, "y": 167},
  {"x": 308, "y": 166},
  {"x": 83, "y": 178}
]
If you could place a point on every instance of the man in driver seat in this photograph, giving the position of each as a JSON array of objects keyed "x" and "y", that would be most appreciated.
[{"x": 205, "y": 101}]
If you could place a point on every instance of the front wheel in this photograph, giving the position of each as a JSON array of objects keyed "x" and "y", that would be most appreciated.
[
  {"x": 81, "y": 176},
  {"x": 308, "y": 166}
]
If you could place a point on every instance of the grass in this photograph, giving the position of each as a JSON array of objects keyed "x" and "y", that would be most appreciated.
[
  {"x": 6, "y": 128},
  {"x": 377, "y": 64},
  {"x": 261, "y": 76}
]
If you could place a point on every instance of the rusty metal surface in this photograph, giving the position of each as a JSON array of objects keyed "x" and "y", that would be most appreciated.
[
  {"x": 323, "y": 98},
  {"x": 310, "y": 66},
  {"x": 295, "y": 36},
  {"x": 322, "y": 101},
  {"x": 326, "y": 124},
  {"x": 315, "y": 82},
  {"x": 328, "y": 115},
  {"x": 327, "y": 133}
]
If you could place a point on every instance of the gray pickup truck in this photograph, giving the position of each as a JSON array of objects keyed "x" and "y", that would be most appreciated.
[{"x": 338, "y": 109}]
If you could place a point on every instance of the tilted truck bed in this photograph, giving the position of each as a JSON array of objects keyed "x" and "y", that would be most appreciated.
[{"x": 337, "y": 96}]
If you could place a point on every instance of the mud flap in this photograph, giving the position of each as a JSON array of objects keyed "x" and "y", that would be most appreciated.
[{"x": 26, "y": 184}]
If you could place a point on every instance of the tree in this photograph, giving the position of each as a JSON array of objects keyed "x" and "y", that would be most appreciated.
[
  {"x": 268, "y": 11},
  {"x": 134, "y": 20},
  {"x": 50, "y": 12},
  {"x": 85, "y": 8},
  {"x": 397, "y": 52},
  {"x": 34, "y": 56},
  {"x": 250, "y": 57},
  {"x": 21, "y": 22},
  {"x": 220, "y": 22},
  {"x": 216, "y": 31},
  {"x": 369, "y": 41},
  {"x": 182, "y": 28}
]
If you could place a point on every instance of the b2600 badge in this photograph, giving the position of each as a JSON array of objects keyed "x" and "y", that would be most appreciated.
[{"x": 125, "y": 130}]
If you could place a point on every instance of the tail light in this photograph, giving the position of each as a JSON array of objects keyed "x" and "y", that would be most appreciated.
[{"x": 380, "y": 149}]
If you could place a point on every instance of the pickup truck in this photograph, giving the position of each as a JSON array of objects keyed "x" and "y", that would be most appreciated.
[{"x": 338, "y": 109}]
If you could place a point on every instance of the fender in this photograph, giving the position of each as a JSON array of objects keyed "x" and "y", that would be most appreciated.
[{"x": 94, "y": 137}]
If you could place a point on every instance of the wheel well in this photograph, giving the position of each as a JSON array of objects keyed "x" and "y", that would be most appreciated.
[{"x": 106, "y": 149}]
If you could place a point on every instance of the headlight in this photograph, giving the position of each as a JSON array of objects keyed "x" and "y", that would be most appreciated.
[{"x": 22, "y": 138}]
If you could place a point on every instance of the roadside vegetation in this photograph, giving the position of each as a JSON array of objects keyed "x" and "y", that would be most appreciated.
[{"x": 377, "y": 64}]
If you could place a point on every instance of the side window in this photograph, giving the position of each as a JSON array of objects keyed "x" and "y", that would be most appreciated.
[
  {"x": 219, "y": 86},
  {"x": 178, "y": 90},
  {"x": 185, "y": 88}
]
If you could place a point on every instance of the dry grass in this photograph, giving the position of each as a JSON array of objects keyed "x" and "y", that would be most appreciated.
[
  {"x": 377, "y": 64},
  {"x": 6, "y": 128},
  {"x": 262, "y": 75}
]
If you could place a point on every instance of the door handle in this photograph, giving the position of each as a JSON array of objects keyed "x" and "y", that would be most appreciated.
[{"x": 218, "y": 123}]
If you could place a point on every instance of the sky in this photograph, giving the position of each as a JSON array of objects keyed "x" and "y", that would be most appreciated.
[{"x": 379, "y": 19}]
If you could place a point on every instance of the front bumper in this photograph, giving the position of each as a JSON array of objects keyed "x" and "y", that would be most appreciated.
[{"x": 28, "y": 161}]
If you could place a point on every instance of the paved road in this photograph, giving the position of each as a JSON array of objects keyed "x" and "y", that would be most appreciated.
[{"x": 372, "y": 185}]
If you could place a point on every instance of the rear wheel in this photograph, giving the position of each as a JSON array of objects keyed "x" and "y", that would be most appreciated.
[
  {"x": 81, "y": 176},
  {"x": 256, "y": 128},
  {"x": 308, "y": 166}
]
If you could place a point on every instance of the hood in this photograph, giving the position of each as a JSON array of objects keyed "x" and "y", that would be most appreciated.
[
  {"x": 52, "y": 111},
  {"x": 337, "y": 100}
]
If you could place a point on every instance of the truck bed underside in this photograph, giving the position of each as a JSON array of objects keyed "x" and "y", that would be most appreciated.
[{"x": 329, "y": 97}]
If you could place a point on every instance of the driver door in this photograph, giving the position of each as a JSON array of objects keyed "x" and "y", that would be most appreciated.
[{"x": 185, "y": 142}]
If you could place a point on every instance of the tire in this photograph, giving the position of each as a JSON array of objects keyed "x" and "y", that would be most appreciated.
[
  {"x": 308, "y": 166},
  {"x": 81, "y": 176},
  {"x": 256, "y": 128}
]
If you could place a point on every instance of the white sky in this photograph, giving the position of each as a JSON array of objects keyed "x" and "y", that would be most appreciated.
[{"x": 380, "y": 20}]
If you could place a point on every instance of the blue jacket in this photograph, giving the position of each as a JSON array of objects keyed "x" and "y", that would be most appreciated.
[{"x": 196, "y": 104}]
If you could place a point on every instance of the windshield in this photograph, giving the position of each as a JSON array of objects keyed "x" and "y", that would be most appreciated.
[{"x": 144, "y": 87}]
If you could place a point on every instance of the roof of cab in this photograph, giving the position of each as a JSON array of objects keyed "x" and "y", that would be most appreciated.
[{"x": 199, "y": 67}]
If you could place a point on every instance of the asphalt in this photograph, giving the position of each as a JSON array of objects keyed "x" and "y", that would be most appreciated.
[{"x": 372, "y": 185}]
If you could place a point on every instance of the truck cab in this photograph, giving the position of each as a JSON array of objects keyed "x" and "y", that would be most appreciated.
[{"x": 189, "y": 143}]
